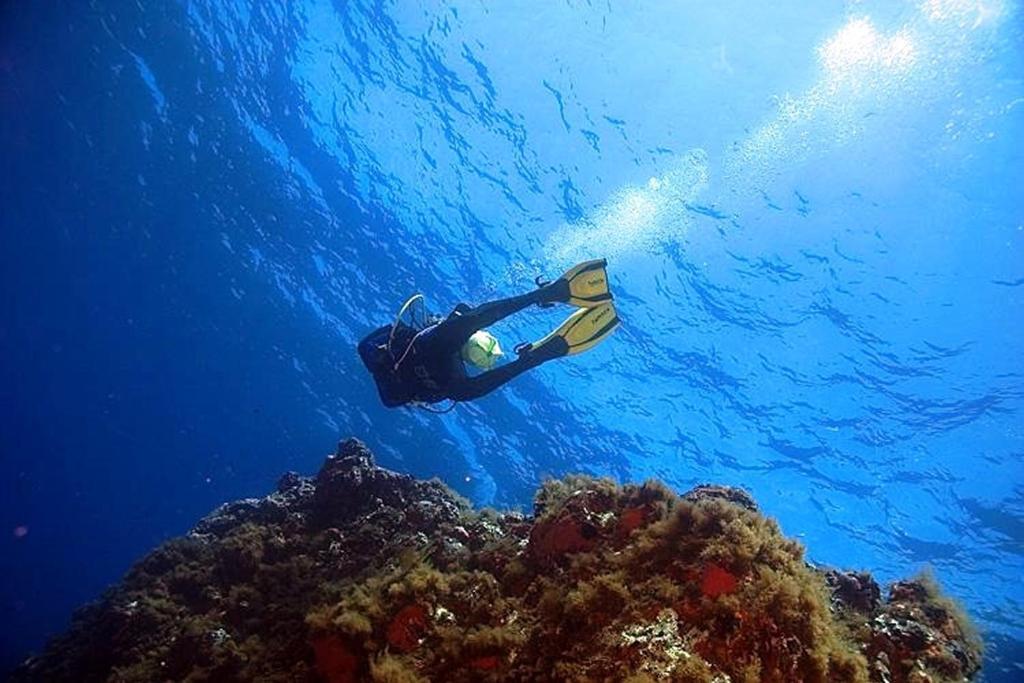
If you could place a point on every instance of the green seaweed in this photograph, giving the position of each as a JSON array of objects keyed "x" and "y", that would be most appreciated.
[{"x": 389, "y": 669}]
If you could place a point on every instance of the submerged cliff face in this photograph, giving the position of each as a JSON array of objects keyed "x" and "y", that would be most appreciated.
[{"x": 365, "y": 574}]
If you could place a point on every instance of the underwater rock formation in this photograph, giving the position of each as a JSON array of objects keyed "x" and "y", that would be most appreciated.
[{"x": 363, "y": 574}]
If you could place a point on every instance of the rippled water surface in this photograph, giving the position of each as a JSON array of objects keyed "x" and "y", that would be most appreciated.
[{"x": 812, "y": 213}]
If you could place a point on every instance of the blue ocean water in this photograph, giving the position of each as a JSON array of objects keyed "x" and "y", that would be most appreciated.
[{"x": 812, "y": 212}]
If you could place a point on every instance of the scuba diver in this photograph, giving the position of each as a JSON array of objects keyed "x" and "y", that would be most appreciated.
[{"x": 424, "y": 364}]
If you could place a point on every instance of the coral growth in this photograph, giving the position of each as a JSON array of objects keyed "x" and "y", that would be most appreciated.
[{"x": 362, "y": 574}]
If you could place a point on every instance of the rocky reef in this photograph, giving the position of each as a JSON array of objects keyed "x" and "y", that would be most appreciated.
[{"x": 363, "y": 574}]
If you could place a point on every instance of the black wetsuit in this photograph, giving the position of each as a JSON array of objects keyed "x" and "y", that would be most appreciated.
[{"x": 432, "y": 370}]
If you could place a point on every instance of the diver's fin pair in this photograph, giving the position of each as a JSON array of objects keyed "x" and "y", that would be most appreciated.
[
  {"x": 584, "y": 285},
  {"x": 580, "y": 332}
]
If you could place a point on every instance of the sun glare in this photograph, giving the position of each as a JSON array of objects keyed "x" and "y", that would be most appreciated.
[
  {"x": 858, "y": 48},
  {"x": 966, "y": 13}
]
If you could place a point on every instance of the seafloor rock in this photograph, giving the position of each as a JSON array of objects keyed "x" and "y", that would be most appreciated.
[
  {"x": 362, "y": 574},
  {"x": 854, "y": 590}
]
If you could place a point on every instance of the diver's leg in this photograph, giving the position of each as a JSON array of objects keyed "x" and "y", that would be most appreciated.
[
  {"x": 474, "y": 387},
  {"x": 457, "y": 328}
]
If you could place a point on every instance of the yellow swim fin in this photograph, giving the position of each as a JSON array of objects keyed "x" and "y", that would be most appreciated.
[
  {"x": 584, "y": 285},
  {"x": 581, "y": 331}
]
